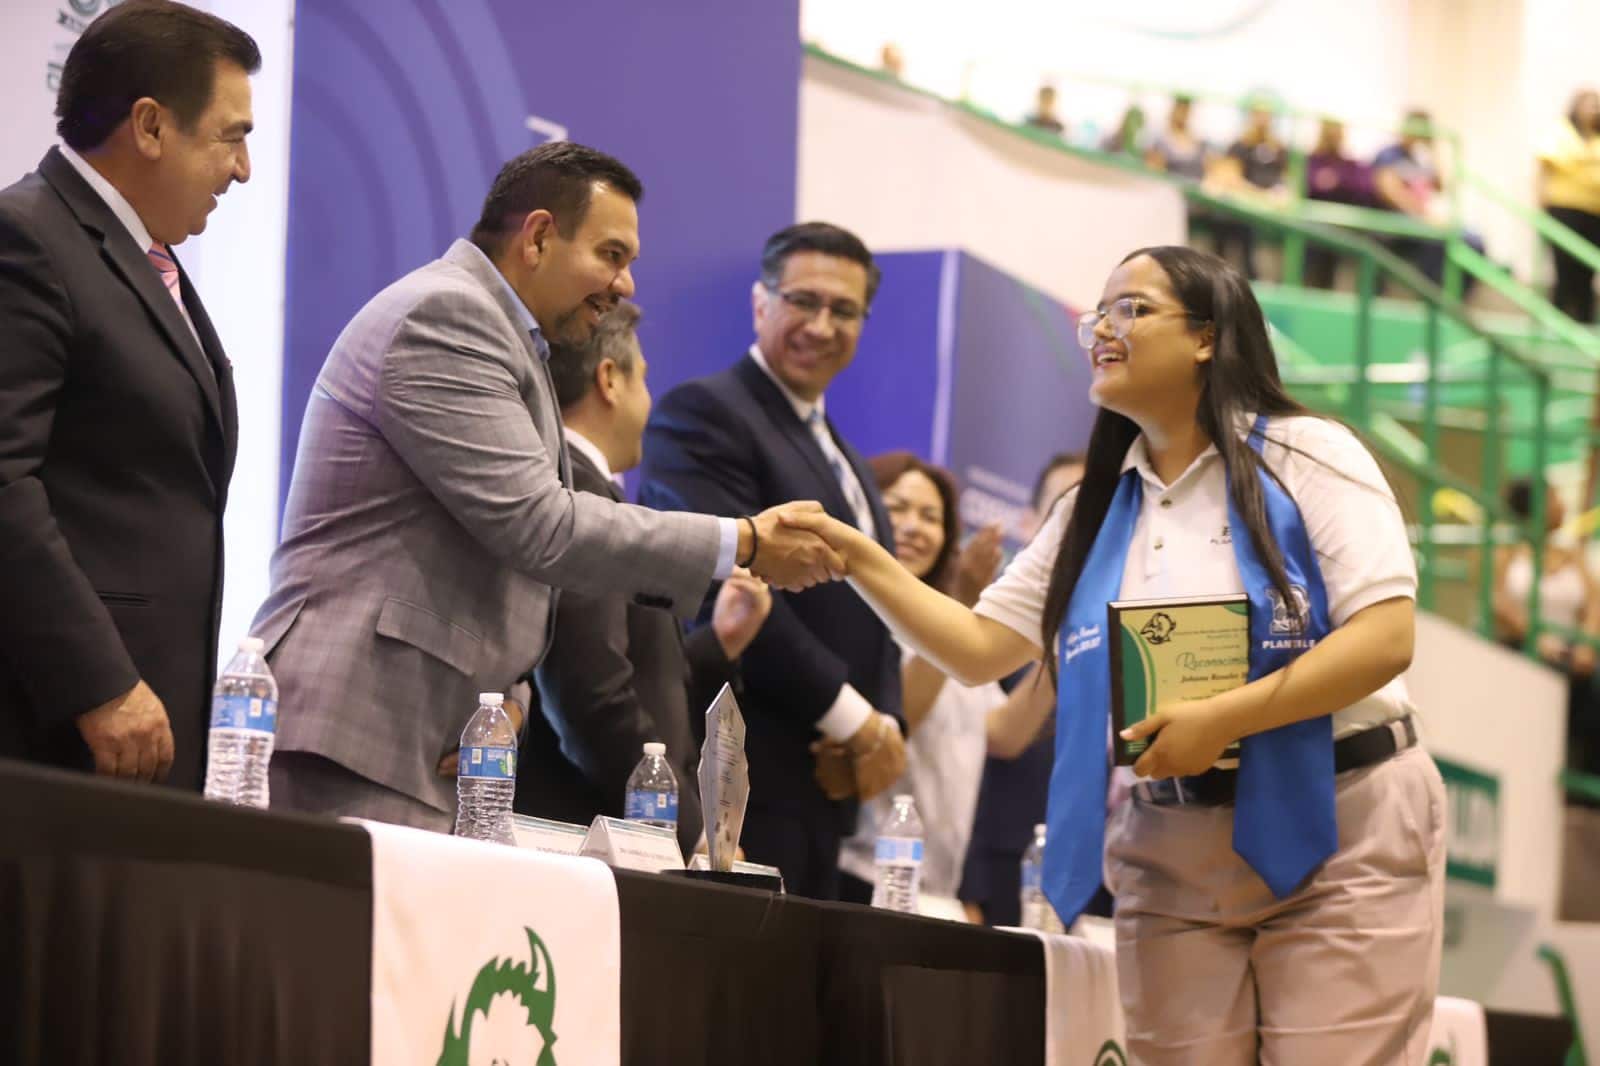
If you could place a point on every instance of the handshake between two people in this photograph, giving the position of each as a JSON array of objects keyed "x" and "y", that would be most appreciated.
[
  {"x": 795, "y": 546},
  {"x": 863, "y": 766}
]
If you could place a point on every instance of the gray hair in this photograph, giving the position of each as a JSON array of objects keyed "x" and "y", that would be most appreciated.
[{"x": 572, "y": 366}]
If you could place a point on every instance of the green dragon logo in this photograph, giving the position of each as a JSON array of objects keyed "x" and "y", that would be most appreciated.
[
  {"x": 1110, "y": 1054},
  {"x": 532, "y": 988}
]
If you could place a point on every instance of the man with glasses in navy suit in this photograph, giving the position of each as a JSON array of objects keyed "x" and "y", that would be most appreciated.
[{"x": 822, "y": 679}]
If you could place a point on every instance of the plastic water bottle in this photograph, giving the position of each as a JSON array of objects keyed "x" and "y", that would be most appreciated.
[
  {"x": 652, "y": 794},
  {"x": 244, "y": 722},
  {"x": 898, "y": 858},
  {"x": 1037, "y": 911},
  {"x": 486, "y": 773}
]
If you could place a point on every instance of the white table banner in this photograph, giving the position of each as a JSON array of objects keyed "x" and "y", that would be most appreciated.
[
  {"x": 1083, "y": 1023},
  {"x": 485, "y": 953},
  {"x": 1460, "y": 1036}
]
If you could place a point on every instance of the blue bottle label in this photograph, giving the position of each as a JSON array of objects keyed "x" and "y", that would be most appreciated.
[
  {"x": 499, "y": 764},
  {"x": 898, "y": 851},
  {"x": 1032, "y": 876},
  {"x": 651, "y": 807},
  {"x": 244, "y": 712}
]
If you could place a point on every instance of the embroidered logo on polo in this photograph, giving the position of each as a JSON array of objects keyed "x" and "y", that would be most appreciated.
[
  {"x": 1110, "y": 1054},
  {"x": 1159, "y": 629},
  {"x": 1224, "y": 537},
  {"x": 509, "y": 1016}
]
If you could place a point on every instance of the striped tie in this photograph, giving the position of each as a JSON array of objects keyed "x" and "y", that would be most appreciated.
[
  {"x": 160, "y": 257},
  {"x": 854, "y": 495}
]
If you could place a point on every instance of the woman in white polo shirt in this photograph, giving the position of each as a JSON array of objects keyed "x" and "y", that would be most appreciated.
[{"x": 1284, "y": 906}]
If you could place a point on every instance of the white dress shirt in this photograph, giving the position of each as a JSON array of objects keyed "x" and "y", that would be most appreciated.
[
  {"x": 126, "y": 215},
  {"x": 850, "y": 709}
]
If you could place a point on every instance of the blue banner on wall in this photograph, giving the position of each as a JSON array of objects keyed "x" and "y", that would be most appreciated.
[
  {"x": 972, "y": 368},
  {"x": 405, "y": 109}
]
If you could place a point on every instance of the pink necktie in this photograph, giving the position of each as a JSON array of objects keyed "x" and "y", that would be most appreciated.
[{"x": 167, "y": 267}]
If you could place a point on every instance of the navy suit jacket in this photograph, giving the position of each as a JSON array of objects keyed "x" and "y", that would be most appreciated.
[{"x": 730, "y": 444}]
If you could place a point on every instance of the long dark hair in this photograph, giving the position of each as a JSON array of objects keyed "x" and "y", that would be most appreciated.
[
  {"x": 1240, "y": 378},
  {"x": 891, "y": 467}
]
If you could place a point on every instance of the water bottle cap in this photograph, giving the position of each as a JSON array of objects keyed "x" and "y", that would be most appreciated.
[
  {"x": 655, "y": 747},
  {"x": 1038, "y": 830},
  {"x": 491, "y": 699},
  {"x": 252, "y": 644},
  {"x": 903, "y": 799}
]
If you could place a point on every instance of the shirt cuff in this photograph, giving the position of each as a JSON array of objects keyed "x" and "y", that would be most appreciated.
[
  {"x": 729, "y": 548},
  {"x": 849, "y": 713}
]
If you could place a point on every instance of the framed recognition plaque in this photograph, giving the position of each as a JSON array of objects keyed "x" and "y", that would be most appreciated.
[{"x": 1168, "y": 651}]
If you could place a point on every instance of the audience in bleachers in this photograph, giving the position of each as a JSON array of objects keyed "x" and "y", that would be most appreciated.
[
  {"x": 1407, "y": 180},
  {"x": 1043, "y": 116},
  {"x": 1176, "y": 149},
  {"x": 1125, "y": 139},
  {"x": 1569, "y": 597},
  {"x": 1334, "y": 176},
  {"x": 1569, "y": 188}
]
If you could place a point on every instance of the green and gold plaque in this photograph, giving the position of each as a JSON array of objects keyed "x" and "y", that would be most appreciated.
[{"x": 1168, "y": 651}]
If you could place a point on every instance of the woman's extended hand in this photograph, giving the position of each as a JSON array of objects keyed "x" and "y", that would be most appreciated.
[{"x": 848, "y": 541}]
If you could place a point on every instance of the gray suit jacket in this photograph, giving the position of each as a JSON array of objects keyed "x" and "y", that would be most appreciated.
[{"x": 427, "y": 530}]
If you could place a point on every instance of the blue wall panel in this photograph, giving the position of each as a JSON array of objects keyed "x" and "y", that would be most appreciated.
[{"x": 404, "y": 110}]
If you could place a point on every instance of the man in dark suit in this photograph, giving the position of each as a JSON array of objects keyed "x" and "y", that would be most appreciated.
[
  {"x": 619, "y": 674},
  {"x": 823, "y": 667},
  {"x": 117, "y": 416}
]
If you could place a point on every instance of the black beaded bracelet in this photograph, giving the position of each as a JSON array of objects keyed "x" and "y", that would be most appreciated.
[{"x": 755, "y": 542}]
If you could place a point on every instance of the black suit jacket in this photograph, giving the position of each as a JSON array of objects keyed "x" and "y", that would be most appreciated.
[
  {"x": 730, "y": 444},
  {"x": 117, "y": 438},
  {"x": 617, "y": 675}
]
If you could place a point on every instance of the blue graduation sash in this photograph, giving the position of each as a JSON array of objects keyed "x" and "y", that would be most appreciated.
[{"x": 1283, "y": 823}]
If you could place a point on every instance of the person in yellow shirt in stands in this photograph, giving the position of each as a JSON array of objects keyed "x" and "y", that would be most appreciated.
[{"x": 1569, "y": 188}]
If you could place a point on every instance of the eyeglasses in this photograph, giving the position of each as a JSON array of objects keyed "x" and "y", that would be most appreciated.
[
  {"x": 809, "y": 305},
  {"x": 1122, "y": 314}
]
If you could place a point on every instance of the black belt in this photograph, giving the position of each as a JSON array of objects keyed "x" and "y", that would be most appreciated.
[{"x": 1215, "y": 787}]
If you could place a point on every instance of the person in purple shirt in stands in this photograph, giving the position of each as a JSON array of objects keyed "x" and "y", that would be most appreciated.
[{"x": 1334, "y": 176}]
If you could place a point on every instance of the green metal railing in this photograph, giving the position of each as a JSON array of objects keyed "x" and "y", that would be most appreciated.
[
  {"x": 1507, "y": 365},
  {"x": 1577, "y": 1054}
]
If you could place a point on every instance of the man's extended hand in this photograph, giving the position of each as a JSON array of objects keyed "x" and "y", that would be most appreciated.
[
  {"x": 130, "y": 736},
  {"x": 791, "y": 558},
  {"x": 741, "y": 609},
  {"x": 835, "y": 773},
  {"x": 877, "y": 754},
  {"x": 449, "y": 763}
]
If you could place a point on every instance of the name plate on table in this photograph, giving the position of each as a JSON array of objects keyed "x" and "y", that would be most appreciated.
[
  {"x": 541, "y": 834},
  {"x": 632, "y": 845},
  {"x": 1169, "y": 651}
]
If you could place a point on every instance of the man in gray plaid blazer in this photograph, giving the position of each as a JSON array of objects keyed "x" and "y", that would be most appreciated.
[{"x": 431, "y": 518}]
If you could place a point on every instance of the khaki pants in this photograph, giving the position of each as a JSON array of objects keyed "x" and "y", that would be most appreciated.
[{"x": 1216, "y": 972}]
